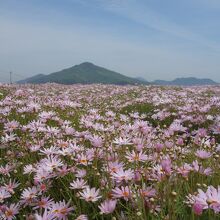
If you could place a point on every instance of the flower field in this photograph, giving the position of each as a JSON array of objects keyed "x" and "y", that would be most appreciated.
[{"x": 109, "y": 152}]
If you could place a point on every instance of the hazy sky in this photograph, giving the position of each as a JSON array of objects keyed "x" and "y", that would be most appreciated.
[{"x": 154, "y": 39}]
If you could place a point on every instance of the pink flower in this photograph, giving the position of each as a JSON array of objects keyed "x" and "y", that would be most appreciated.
[
  {"x": 90, "y": 195},
  {"x": 197, "y": 208},
  {"x": 11, "y": 211},
  {"x": 69, "y": 130},
  {"x": 184, "y": 170},
  {"x": 6, "y": 170},
  {"x": 78, "y": 184},
  {"x": 82, "y": 217},
  {"x": 8, "y": 138},
  {"x": 47, "y": 215},
  {"x": 44, "y": 202},
  {"x": 108, "y": 206},
  {"x": 28, "y": 169},
  {"x": 4, "y": 194},
  {"x": 123, "y": 192},
  {"x": 52, "y": 163},
  {"x": 167, "y": 166},
  {"x": 29, "y": 194},
  {"x": 115, "y": 166},
  {"x": 204, "y": 200},
  {"x": 159, "y": 146},
  {"x": 208, "y": 171},
  {"x": 122, "y": 141},
  {"x": 148, "y": 192},
  {"x": 96, "y": 141},
  {"x": 11, "y": 186},
  {"x": 121, "y": 175},
  {"x": 136, "y": 156},
  {"x": 202, "y": 154},
  {"x": 50, "y": 151},
  {"x": 61, "y": 209},
  {"x": 84, "y": 159},
  {"x": 80, "y": 173},
  {"x": 213, "y": 198},
  {"x": 11, "y": 125},
  {"x": 201, "y": 199}
]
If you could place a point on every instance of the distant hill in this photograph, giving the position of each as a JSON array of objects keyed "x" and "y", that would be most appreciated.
[
  {"x": 33, "y": 78},
  {"x": 142, "y": 79},
  {"x": 84, "y": 73},
  {"x": 87, "y": 73},
  {"x": 188, "y": 81}
]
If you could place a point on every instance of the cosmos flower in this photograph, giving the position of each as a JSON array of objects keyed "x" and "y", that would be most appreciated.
[
  {"x": 184, "y": 170},
  {"x": 78, "y": 184},
  {"x": 114, "y": 166},
  {"x": 90, "y": 194},
  {"x": 47, "y": 215},
  {"x": 121, "y": 175},
  {"x": 108, "y": 206},
  {"x": 82, "y": 217},
  {"x": 122, "y": 141},
  {"x": 11, "y": 186},
  {"x": 61, "y": 209},
  {"x": 11, "y": 211},
  {"x": 88, "y": 142},
  {"x": 43, "y": 202},
  {"x": 213, "y": 198},
  {"x": 202, "y": 154},
  {"x": 42, "y": 174},
  {"x": 50, "y": 151},
  {"x": 4, "y": 194},
  {"x": 84, "y": 159},
  {"x": 205, "y": 200},
  {"x": 166, "y": 165},
  {"x": 96, "y": 141},
  {"x": 148, "y": 192},
  {"x": 136, "y": 156},
  {"x": 5, "y": 170},
  {"x": 52, "y": 163},
  {"x": 11, "y": 126},
  {"x": 80, "y": 173},
  {"x": 122, "y": 192},
  {"x": 29, "y": 194}
]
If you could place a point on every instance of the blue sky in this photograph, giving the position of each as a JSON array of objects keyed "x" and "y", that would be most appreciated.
[{"x": 154, "y": 39}]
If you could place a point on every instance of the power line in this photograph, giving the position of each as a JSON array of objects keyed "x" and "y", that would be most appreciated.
[
  {"x": 19, "y": 75},
  {"x": 6, "y": 71},
  {"x": 4, "y": 78},
  {"x": 11, "y": 74}
]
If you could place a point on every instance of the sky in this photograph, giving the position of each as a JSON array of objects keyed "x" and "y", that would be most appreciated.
[{"x": 154, "y": 39}]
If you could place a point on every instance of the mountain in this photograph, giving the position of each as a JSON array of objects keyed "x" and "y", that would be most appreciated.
[
  {"x": 141, "y": 79},
  {"x": 33, "y": 78},
  {"x": 188, "y": 81},
  {"x": 87, "y": 73},
  {"x": 84, "y": 73}
]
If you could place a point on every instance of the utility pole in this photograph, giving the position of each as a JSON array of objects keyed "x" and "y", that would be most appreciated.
[{"x": 10, "y": 77}]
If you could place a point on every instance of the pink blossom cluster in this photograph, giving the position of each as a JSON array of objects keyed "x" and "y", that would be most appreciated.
[{"x": 104, "y": 151}]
